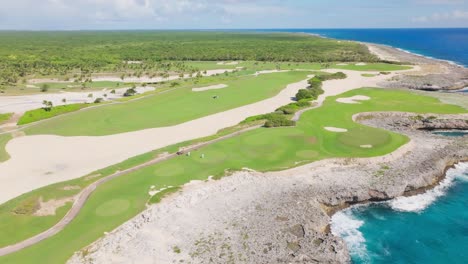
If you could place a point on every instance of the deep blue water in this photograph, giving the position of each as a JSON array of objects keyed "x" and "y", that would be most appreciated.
[
  {"x": 445, "y": 44},
  {"x": 429, "y": 228}
]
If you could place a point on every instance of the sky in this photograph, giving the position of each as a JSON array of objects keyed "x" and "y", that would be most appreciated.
[{"x": 229, "y": 14}]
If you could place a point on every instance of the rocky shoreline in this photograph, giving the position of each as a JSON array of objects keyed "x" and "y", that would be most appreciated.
[
  {"x": 433, "y": 75},
  {"x": 281, "y": 217}
]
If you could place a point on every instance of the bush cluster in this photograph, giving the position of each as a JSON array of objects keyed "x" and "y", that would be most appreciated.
[{"x": 315, "y": 86}]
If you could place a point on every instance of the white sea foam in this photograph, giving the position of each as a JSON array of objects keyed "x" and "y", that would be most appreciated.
[
  {"x": 420, "y": 202},
  {"x": 346, "y": 226}
]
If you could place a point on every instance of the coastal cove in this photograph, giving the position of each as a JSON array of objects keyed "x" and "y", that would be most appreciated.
[{"x": 424, "y": 228}]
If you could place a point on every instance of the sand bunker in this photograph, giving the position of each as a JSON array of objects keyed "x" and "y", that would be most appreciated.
[
  {"x": 61, "y": 164},
  {"x": 336, "y": 129},
  {"x": 49, "y": 207},
  {"x": 361, "y": 64},
  {"x": 23, "y": 103},
  {"x": 228, "y": 63},
  {"x": 212, "y": 87},
  {"x": 366, "y": 146},
  {"x": 342, "y": 64},
  {"x": 353, "y": 100}
]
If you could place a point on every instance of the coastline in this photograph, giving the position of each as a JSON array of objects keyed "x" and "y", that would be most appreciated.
[{"x": 279, "y": 208}]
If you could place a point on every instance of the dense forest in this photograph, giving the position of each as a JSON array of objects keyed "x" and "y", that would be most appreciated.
[{"x": 59, "y": 53}]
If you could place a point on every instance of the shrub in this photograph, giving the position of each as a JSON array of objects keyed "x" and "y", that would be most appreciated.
[
  {"x": 98, "y": 100},
  {"x": 130, "y": 92},
  {"x": 304, "y": 94}
]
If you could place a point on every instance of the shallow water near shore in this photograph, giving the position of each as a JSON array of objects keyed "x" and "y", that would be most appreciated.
[
  {"x": 428, "y": 228},
  {"x": 450, "y": 44}
]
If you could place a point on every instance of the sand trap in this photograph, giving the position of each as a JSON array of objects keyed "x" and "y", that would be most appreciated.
[
  {"x": 228, "y": 63},
  {"x": 342, "y": 64},
  {"x": 336, "y": 129},
  {"x": 269, "y": 71},
  {"x": 361, "y": 64},
  {"x": 49, "y": 207},
  {"x": 31, "y": 86},
  {"x": 212, "y": 87},
  {"x": 71, "y": 156},
  {"x": 353, "y": 100},
  {"x": 23, "y": 103},
  {"x": 366, "y": 146}
]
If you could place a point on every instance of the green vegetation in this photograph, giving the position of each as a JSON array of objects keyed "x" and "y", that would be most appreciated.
[
  {"x": 4, "y": 138},
  {"x": 260, "y": 149},
  {"x": 23, "y": 54},
  {"x": 45, "y": 113},
  {"x": 368, "y": 75},
  {"x": 315, "y": 86},
  {"x": 5, "y": 117},
  {"x": 170, "y": 108}
]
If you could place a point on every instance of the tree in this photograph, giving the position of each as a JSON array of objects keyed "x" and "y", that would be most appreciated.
[
  {"x": 47, "y": 105},
  {"x": 64, "y": 100},
  {"x": 45, "y": 87},
  {"x": 130, "y": 92}
]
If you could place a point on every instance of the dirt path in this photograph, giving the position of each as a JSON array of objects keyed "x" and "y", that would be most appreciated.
[{"x": 83, "y": 196}]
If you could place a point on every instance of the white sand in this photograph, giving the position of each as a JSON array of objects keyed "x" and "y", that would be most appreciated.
[
  {"x": 336, "y": 129},
  {"x": 23, "y": 103},
  {"x": 361, "y": 64},
  {"x": 353, "y": 100},
  {"x": 342, "y": 64},
  {"x": 52, "y": 159},
  {"x": 41, "y": 160},
  {"x": 380, "y": 53},
  {"x": 228, "y": 63},
  {"x": 366, "y": 146},
  {"x": 211, "y": 87},
  {"x": 143, "y": 79}
]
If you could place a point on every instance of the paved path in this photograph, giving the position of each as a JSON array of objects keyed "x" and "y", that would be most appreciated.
[{"x": 83, "y": 196}]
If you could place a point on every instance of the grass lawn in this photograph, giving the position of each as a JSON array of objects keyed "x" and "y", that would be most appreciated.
[
  {"x": 4, "y": 138},
  {"x": 5, "y": 117},
  {"x": 170, "y": 108},
  {"x": 260, "y": 149},
  {"x": 40, "y": 114}
]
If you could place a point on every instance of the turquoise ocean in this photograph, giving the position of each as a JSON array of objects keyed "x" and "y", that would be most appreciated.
[{"x": 429, "y": 228}]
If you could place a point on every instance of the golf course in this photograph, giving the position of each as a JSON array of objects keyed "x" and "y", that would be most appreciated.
[
  {"x": 261, "y": 149},
  {"x": 96, "y": 127}
]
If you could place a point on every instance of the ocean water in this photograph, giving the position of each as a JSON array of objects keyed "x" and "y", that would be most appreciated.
[
  {"x": 428, "y": 228},
  {"x": 452, "y": 133},
  {"x": 449, "y": 44}
]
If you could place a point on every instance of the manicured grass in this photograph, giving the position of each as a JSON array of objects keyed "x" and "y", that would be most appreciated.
[
  {"x": 260, "y": 149},
  {"x": 170, "y": 108},
  {"x": 41, "y": 114},
  {"x": 5, "y": 117},
  {"x": 373, "y": 67},
  {"x": 4, "y": 138}
]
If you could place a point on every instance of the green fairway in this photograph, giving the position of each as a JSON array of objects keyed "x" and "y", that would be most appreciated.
[
  {"x": 4, "y": 138},
  {"x": 5, "y": 117},
  {"x": 170, "y": 108},
  {"x": 40, "y": 114},
  {"x": 262, "y": 149}
]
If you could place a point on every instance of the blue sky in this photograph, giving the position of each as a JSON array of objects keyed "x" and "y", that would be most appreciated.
[{"x": 207, "y": 14}]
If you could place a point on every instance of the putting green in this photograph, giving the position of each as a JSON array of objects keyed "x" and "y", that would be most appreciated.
[
  {"x": 359, "y": 136},
  {"x": 281, "y": 148}
]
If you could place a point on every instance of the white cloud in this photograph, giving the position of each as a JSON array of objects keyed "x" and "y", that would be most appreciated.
[{"x": 443, "y": 16}]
